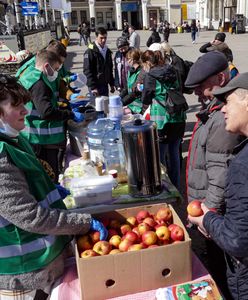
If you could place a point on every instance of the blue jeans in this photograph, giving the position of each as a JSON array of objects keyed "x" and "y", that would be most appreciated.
[
  {"x": 170, "y": 157},
  {"x": 193, "y": 33}
]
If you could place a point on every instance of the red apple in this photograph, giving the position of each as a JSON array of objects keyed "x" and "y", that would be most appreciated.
[
  {"x": 124, "y": 245},
  {"x": 149, "y": 238},
  {"x": 135, "y": 247},
  {"x": 125, "y": 228},
  {"x": 115, "y": 251},
  {"x": 115, "y": 241},
  {"x": 102, "y": 247},
  {"x": 95, "y": 236},
  {"x": 132, "y": 236},
  {"x": 163, "y": 233},
  {"x": 177, "y": 234},
  {"x": 163, "y": 214},
  {"x": 194, "y": 208},
  {"x": 143, "y": 227},
  {"x": 150, "y": 221},
  {"x": 141, "y": 215},
  {"x": 144, "y": 246},
  {"x": 132, "y": 221},
  {"x": 88, "y": 253},
  {"x": 112, "y": 232},
  {"x": 84, "y": 243},
  {"x": 172, "y": 226}
]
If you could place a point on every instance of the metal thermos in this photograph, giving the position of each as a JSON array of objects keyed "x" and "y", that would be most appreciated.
[{"x": 140, "y": 139}]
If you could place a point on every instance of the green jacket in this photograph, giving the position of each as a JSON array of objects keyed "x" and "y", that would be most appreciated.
[
  {"x": 136, "y": 105},
  {"x": 38, "y": 130},
  {"x": 22, "y": 251}
]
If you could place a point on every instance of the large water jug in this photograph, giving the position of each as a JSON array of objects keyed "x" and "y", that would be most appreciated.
[
  {"x": 114, "y": 156},
  {"x": 115, "y": 110},
  {"x": 95, "y": 133}
]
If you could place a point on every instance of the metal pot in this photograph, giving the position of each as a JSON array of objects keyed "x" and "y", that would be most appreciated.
[{"x": 140, "y": 139}]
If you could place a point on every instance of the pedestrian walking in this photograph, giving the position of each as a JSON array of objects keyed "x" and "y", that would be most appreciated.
[
  {"x": 98, "y": 65},
  {"x": 234, "y": 25},
  {"x": 134, "y": 38},
  {"x": 166, "y": 32},
  {"x": 198, "y": 25},
  {"x": 154, "y": 37},
  {"x": 193, "y": 29}
]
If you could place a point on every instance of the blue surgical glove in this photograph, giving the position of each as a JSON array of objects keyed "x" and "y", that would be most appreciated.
[
  {"x": 62, "y": 191},
  {"x": 73, "y": 77},
  {"x": 74, "y": 96},
  {"x": 75, "y": 90},
  {"x": 98, "y": 226},
  {"x": 78, "y": 117}
]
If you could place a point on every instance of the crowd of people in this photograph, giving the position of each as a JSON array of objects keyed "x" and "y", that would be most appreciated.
[{"x": 36, "y": 227}]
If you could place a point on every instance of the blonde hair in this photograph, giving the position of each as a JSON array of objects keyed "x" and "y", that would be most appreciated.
[{"x": 166, "y": 48}]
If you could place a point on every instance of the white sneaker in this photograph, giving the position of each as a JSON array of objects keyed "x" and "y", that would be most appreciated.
[{"x": 193, "y": 42}]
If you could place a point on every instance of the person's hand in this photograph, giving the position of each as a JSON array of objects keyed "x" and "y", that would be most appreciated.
[
  {"x": 78, "y": 117},
  {"x": 199, "y": 220},
  {"x": 62, "y": 191},
  {"x": 74, "y": 96},
  {"x": 95, "y": 92},
  {"x": 73, "y": 77},
  {"x": 112, "y": 89},
  {"x": 98, "y": 226}
]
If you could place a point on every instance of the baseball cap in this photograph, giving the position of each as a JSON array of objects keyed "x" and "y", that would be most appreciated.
[
  {"x": 155, "y": 47},
  {"x": 240, "y": 81},
  {"x": 206, "y": 65}
]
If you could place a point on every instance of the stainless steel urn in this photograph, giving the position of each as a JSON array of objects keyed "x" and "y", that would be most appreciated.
[{"x": 140, "y": 139}]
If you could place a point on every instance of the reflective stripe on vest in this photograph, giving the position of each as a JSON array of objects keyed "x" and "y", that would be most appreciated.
[
  {"x": 43, "y": 131},
  {"x": 19, "y": 250}
]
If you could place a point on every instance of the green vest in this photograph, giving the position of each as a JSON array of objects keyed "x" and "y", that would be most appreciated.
[
  {"x": 158, "y": 113},
  {"x": 22, "y": 251},
  {"x": 38, "y": 130},
  {"x": 136, "y": 105}
]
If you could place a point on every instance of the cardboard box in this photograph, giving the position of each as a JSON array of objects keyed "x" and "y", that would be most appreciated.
[{"x": 104, "y": 277}]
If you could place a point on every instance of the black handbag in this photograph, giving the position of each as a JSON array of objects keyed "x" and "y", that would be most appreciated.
[{"x": 175, "y": 102}]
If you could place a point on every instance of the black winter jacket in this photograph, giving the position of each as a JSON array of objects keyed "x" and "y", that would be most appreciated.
[
  {"x": 230, "y": 232},
  {"x": 154, "y": 38},
  {"x": 99, "y": 72}
]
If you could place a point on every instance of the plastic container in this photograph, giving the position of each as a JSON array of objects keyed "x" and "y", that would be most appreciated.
[
  {"x": 81, "y": 81},
  {"x": 115, "y": 110},
  {"x": 101, "y": 105},
  {"x": 92, "y": 190},
  {"x": 95, "y": 133},
  {"x": 114, "y": 156}
]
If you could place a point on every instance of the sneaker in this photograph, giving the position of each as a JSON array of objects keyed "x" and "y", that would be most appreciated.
[{"x": 193, "y": 42}]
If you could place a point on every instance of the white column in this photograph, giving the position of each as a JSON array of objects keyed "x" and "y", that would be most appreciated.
[
  {"x": 54, "y": 18},
  {"x": 118, "y": 14},
  {"x": 221, "y": 10},
  {"x": 92, "y": 9},
  {"x": 18, "y": 12},
  {"x": 45, "y": 9},
  {"x": 213, "y": 9},
  {"x": 144, "y": 14}
]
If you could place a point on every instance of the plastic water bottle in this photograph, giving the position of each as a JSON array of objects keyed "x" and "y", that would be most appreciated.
[
  {"x": 101, "y": 105},
  {"x": 114, "y": 156},
  {"x": 115, "y": 110},
  {"x": 95, "y": 133}
]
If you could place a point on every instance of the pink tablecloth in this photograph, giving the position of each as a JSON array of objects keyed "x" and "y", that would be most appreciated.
[{"x": 68, "y": 286}]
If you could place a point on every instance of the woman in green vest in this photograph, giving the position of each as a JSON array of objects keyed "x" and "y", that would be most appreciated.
[
  {"x": 35, "y": 226},
  {"x": 159, "y": 78},
  {"x": 131, "y": 95}
]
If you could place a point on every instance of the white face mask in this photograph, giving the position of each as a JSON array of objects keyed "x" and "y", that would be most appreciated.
[
  {"x": 53, "y": 77},
  {"x": 8, "y": 130}
]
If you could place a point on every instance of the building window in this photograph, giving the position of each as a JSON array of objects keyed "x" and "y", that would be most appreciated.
[
  {"x": 74, "y": 19},
  {"x": 109, "y": 15},
  {"x": 99, "y": 18},
  {"x": 83, "y": 15}
]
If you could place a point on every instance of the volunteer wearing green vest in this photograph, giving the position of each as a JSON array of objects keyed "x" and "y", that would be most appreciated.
[
  {"x": 34, "y": 224},
  {"x": 44, "y": 124},
  {"x": 130, "y": 95},
  {"x": 158, "y": 79}
]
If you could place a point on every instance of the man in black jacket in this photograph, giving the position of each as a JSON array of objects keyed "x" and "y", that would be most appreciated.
[
  {"x": 230, "y": 231},
  {"x": 98, "y": 65}
]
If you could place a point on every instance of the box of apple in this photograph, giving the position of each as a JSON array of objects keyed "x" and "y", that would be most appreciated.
[
  {"x": 147, "y": 248},
  {"x": 145, "y": 230}
]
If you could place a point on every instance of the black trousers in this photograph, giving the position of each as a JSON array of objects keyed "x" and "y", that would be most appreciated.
[{"x": 213, "y": 259}]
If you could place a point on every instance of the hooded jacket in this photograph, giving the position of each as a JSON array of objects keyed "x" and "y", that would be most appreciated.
[
  {"x": 210, "y": 149},
  {"x": 217, "y": 46},
  {"x": 99, "y": 71},
  {"x": 154, "y": 38}
]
